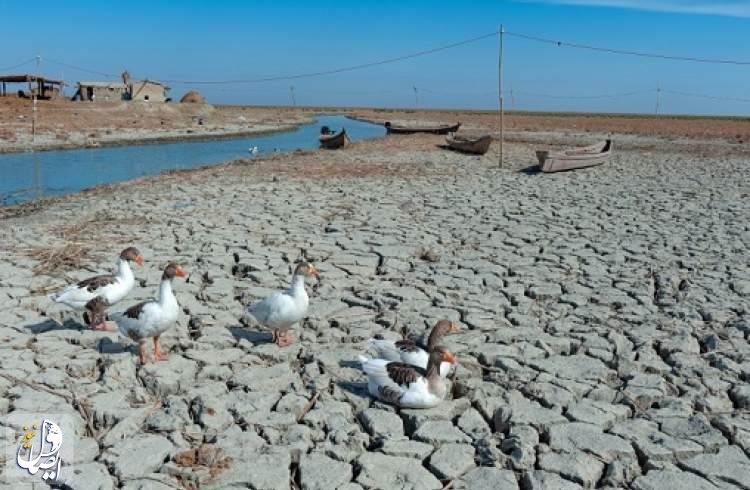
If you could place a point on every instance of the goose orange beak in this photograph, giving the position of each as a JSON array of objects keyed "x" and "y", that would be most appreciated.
[
  {"x": 180, "y": 272},
  {"x": 455, "y": 328},
  {"x": 449, "y": 357},
  {"x": 314, "y": 271},
  {"x": 139, "y": 260}
]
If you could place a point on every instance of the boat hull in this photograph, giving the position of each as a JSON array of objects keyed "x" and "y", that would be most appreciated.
[
  {"x": 475, "y": 146},
  {"x": 334, "y": 141},
  {"x": 589, "y": 156},
  {"x": 441, "y": 129}
]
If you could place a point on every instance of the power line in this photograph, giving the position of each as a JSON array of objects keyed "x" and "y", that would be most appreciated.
[
  {"x": 704, "y": 96},
  {"x": 627, "y": 52},
  {"x": 337, "y": 70},
  {"x": 6, "y": 68},
  {"x": 459, "y": 94},
  {"x": 299, "y": 75},
  {"x": 85, "y": 70},
  {"x": 352, "y": 92},
  {"x": 582, "y": 97},
  {"x": 438, "y": 49},
  {"x": 414, "y": 55}
]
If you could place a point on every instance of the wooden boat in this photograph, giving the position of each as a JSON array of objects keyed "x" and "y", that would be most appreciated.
[
  {"x": 334, "y": 140},
  {"x": 587, "y": 156},
  {"x": 477, "y": 146},
  {"x": 440, "y": 129}
]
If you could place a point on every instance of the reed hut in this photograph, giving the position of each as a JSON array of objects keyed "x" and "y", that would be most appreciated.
[{"x": 193, "y": 97}]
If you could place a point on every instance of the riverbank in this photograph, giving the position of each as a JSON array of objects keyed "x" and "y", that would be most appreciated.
[
  {"x": 62, "y": 124},
  {"x": 56, "y": 173},
  {"x": 150, "y": 137},
  {"x": 604, "y": 316}
]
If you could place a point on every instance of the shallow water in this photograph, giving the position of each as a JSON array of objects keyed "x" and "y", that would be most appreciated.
[{"x": 29, "y": 176}]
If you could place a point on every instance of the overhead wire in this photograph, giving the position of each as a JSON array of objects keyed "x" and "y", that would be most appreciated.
[
  {"x": 79, "y": 68},
  {"x": 627, "y": 52},
  {"x": 582, "y": 97},
  {"x": 12, "y": 67},
  {"x": 436, "y": 92},
  {"x": 458, "y": 94},
  {"x": 704, "y": 96},
  {"x": 337, "y": 70}
]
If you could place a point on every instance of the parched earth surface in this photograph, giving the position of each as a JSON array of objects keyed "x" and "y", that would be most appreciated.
[{"x": 604, "y": 314}]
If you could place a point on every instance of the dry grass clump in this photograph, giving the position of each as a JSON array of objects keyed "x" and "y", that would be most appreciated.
[
  {"x": 427, "y": 254},
  {"x": 80, "y": 240},
  {"x": 207, "y": 461},
  {"x": 58, "y": 260}
]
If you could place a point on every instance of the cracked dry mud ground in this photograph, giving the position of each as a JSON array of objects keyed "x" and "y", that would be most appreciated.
[{"x": 604, "y": 320}]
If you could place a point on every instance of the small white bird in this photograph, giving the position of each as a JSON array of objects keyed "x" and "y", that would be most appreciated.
[
  {"x": 280, "y": 311},
  {"x": 405, "y": 385},
  {"x": 407, "y": 350},
  {"x": 111, "y": 287},
  {"x": 253, "y": 150},
  {"x": 152, "y": 318}
]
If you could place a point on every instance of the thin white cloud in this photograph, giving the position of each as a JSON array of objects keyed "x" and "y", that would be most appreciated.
[{"x": 728, "y": 8}]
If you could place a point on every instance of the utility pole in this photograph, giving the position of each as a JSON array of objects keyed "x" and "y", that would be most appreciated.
[
  {"x": 416, "y": 97},
  {"x": 512, "y": 99},
  {"x": 33, "y": 103},
  {"x": 500, "y": 92},
  {"x": 658, "y": 97},
  {"x": 294, "y": 102}
]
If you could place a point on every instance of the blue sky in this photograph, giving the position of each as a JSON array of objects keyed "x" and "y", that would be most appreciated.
[{"x": 223, "y": 40}]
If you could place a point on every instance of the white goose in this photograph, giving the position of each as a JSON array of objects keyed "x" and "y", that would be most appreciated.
[
  {"x": 407, "y": 350},
  {"x": 280, "y": 311},
  {"x": 111, "y": 287},
  {"x": 405, "y": 385},
  {"x": 152, "y": 318}
]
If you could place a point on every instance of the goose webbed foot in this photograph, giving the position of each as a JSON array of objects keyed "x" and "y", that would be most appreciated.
[{"x": 158, "y": 354}]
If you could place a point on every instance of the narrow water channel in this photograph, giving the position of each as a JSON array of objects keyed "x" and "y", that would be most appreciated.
[{"x": 29, "y": 176}]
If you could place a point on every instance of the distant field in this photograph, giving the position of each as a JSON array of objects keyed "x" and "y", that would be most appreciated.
[
  {"x": 734, "y": 129},
  {"x": 730, "y": 128},
  {"x": 71, "y": 124},
  {"x": 507, "y": 112}
]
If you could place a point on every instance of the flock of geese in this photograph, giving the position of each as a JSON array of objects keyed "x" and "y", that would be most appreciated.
[{"x": 401, "y": 373}]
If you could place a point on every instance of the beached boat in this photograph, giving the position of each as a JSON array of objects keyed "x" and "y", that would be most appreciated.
[
  {"x": 439, "y": 129},
  {"x": 332, "y": 140},
  {"x": 587, "y": 156},
  {"x": 477, "y": 146}
]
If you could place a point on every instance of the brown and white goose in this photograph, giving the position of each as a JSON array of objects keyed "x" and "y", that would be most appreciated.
[
  {"x": 150, "y": 319},
  {"x": 280, "y": 311},
  {"x": 407, "y": 350},
  {"x": 111, "y": 287},
  {"x": 405, "y": 385}
]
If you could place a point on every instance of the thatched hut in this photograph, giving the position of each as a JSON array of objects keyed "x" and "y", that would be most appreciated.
[{"x": 193, "y": 97}]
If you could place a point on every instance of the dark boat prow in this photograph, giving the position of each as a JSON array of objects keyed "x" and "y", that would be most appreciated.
[{"x": 330, "y": 140}]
